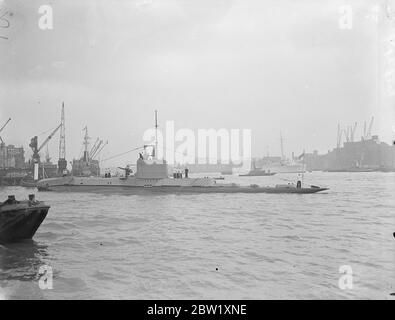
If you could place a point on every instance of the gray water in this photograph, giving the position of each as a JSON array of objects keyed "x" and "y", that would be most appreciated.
[{"x": 211, "y": 246}]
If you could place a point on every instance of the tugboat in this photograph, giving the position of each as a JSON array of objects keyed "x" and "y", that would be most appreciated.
[
  {"x": 20, "y": 220},
  {"x": 255, "y": 172},
  {"x": 227, "y": 172}
]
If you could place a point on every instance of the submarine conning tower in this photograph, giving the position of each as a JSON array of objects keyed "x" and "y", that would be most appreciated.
[{"x": 151, "y": 169}]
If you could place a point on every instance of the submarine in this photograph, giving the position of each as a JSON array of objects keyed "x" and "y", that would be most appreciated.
[{"x": 152, "y": 176}]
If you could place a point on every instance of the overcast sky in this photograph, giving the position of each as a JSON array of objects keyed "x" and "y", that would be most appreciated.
[{"x": 249, "y": 64}]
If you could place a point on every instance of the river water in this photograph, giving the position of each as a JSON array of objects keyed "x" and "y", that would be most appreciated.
[{"x": 212, "y": 246}]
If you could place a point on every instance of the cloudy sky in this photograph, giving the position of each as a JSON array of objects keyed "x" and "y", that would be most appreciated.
[{"x": 268, "y": 66}]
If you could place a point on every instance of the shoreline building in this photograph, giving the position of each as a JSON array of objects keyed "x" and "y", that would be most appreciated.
[
  {"x": 364, "y": 155},
  {"x": 12, "y": 164},
  {"x": 11, "y": 157}
]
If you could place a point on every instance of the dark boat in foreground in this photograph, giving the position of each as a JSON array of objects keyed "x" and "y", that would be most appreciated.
[{"x": 20, "y": 220}]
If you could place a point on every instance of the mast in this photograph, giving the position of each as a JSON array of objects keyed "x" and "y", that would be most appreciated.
[
  {"x": 47, "y": 157},
  {"x": 282, "y": 146},
  {"x": 62, "y": 163},
  {"x": 2, "y": 128},
  {"x": 156, "y": 134},
  {"x": 86, "y": 145},
  {"x": 62, "y": 141}
]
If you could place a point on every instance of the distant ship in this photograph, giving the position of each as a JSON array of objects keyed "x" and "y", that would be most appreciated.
[
  {"x": 256, "y": 172},
  {"x": 227, "y": 172},
  {"x": 88, "y": 165},
  {"x": 282, "y": 164},
  {"x": 279, "y": 165}
]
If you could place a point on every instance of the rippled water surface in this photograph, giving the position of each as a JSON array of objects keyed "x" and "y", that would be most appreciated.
[{"x": 225, "y": 246}]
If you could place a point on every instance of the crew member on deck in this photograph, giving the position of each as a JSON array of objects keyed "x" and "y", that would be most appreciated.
[
  {"x": 127, "y": 171},
  {"x": 299, "y": 184}
]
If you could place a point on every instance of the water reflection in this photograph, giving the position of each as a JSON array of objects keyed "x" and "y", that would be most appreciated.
[{"x": 22, "y": 260}]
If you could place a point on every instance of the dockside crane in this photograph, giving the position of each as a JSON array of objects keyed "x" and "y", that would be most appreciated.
[
  {"x": 95, "y": 148},
  {"x": 369, "y": 131},
  {"x": 282, "y": 147},
  {"x": 352, "y": 134},
  {"x": 3, "y": 127},
  {"x": 100, "y": 150},
  {"x": 339, "y": 136},
  {"x": 347, "y": 134},
  {"x": 34, "y": 144},
  {"x": 47, "y": 156}
]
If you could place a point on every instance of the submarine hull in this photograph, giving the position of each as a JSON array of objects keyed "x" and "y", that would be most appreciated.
[
  {"x": 154, "y": 182},
  {"x": 136, "y": 190}
]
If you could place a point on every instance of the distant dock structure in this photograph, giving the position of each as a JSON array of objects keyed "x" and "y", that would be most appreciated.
[
  {"x": 12, "y": 161},
  {"x": 368, "y": 154}
]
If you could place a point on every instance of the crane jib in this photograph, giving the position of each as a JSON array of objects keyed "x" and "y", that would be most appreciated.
[
  {"x": 2, "y": 128},
  {"x": 49, "y": 138}
]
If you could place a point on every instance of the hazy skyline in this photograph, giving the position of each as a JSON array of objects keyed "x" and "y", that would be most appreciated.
[{"x": 268, "y": 66}]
